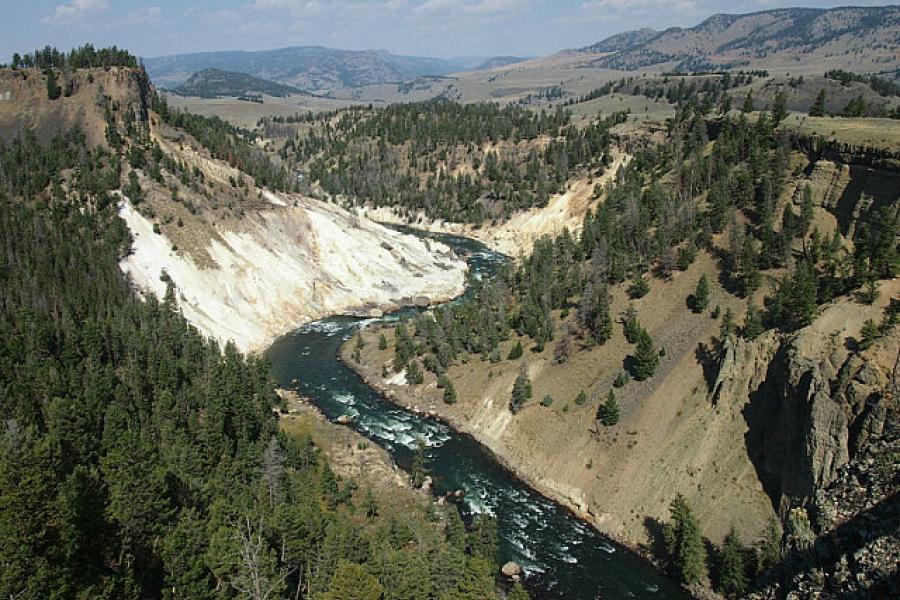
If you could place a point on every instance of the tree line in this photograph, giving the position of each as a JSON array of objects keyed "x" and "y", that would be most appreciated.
[
  {"x": 449, "y": 161},
  {"x": 140, "y": 460},
  {"x": 82, "y": 57}
]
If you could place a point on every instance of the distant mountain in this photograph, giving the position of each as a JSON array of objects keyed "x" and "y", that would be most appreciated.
[
  {"x": 623, "y": 41},
  {"x": 312, "y": 68},
  {"x": 499, "y": 61},
  {"x": 213, "y": 83},
  {"x": 859, "y": 38}
]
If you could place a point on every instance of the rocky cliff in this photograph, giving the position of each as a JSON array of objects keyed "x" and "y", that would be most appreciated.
[
  {"x": 814, "y": 401},
  {"x": 846, "y": 542},
  {"x": 90, "y": 98},
  {"x": 247, "y": 264}
]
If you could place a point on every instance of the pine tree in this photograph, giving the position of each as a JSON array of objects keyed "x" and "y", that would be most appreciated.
[
  {"x": 630, "y": 325},
  {"x": 414, "y": 373},
  {"x": 818, "y": 107},
  {"x": 779, "y": 110},
  {"x": 419, "y": 469},
  {"x": 646, "y": 358},
  {"x": 516, "y": 352},
  {"x": 806, "y": 211},
  {"x": 608, "y": 413},
  {"x": 733, "y": 574},
  {"x": 449, "y": 393},
  {"x": 53, "y": 90},
  {"x": 352, "y": 582},
  {"x": 727, "y": 327},
  {"x": 753, "y": 324},
  {"x": 684, "y": 543},
  {"x": 771, "y": 552},
  {"x": 521, "y": 391},
  {"x": 602, "y": 323},
  {"x": 382, "y": 342},
  {"x": 748, "y": 107},
  {"x": 639, "y": 287},
  {"x": 700, "y": 300},
  {"x": 870, "y": 332}
]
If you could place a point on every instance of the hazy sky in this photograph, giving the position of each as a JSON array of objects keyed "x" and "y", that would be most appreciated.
[{"x": 420, "y": 27}]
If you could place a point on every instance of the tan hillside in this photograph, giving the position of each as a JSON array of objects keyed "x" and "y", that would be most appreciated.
[
  {"x": 796, "y": 39},
  {"x": 743, "y": 437},
  {"x": 248, "y": 264}
]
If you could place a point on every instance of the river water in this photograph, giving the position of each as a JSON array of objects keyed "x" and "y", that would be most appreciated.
[{"x": 562, "y": 557}]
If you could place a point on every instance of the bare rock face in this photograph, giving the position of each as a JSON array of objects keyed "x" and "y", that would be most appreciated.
[
  {"x": 295, "y": 262},
  {"x": 850, "y": 548},
  {"x": 813, "y": 403}
]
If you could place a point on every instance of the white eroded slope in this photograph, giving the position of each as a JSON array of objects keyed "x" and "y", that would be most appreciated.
[
  {"x": 291, "y": 265},
  {"x": 516, "y": 237}
]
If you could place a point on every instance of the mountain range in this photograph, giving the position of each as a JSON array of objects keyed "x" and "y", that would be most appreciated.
[
  {"x": 866, "y": 37},
  {"x": 862, "y": 39},
  {"x": 314, "y": 68}
]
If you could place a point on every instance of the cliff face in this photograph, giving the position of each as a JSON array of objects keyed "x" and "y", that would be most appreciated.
[
  {"x": 88, "y": 96},
  {"x": 287, "y": 265},
  {"x": 845, "y": 544},
  {"x": 247, "y": 264},
  {"x": 813, "y": 402}
]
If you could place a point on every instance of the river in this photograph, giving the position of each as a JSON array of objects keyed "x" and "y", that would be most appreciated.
[{"x": 562, "y": 556}]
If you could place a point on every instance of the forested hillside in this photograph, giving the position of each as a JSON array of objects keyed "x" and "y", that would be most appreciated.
[
  {"x": 614, "y": 358},
  {"x": 141, "y": 460},
  {"x": 457, "y": 162},
  {"x": 214, "y": 83},
  {"x": 670, "y": 203}
]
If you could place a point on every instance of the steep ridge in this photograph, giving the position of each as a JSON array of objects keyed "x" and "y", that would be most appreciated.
[
  {"x": 247, "y": 264},
  {"x": 812, "y": 401},
  {"x": 289, "y": 265},
  {"x": 747, "y": 437},
  {"x": 859, "y": 38}
]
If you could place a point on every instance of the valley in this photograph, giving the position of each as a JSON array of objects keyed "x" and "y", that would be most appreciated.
[{"x": 617, "y": 321}]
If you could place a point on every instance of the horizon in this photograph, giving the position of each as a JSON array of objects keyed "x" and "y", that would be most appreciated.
[{"x": 441, "y": 29}]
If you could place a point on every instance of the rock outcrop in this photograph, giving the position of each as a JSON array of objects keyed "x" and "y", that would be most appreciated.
[
  {"x": 92, "y": 96},
  {"x": 849, "y": 545},
  {"x": 814, "y": 402},
  {"x": 281, "y": 267}
]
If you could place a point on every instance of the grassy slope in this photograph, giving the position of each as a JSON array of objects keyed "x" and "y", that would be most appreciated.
[{"x": 670, "y": 438}]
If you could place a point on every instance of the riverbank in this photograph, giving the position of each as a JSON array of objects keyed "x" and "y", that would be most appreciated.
[
  {"x": 401, "y": 395},
  {"x": 350, "y": 454}
]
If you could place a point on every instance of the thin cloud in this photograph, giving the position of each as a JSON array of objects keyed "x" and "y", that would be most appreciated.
[
  {"x": 640, "y": 6},
  {"x": 148, "y": 15},
  {"x": 76, "y": 9},
  {"x": 481, "y": 7}
]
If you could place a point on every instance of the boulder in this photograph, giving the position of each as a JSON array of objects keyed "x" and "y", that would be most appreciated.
[{"x": 512, "y": 570}]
